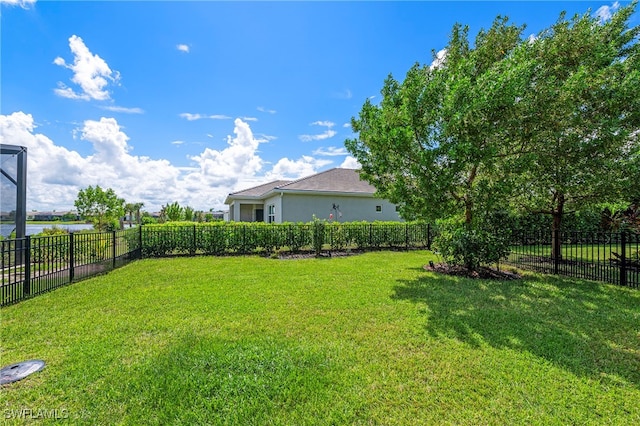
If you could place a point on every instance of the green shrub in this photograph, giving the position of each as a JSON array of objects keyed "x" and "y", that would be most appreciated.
[
  {"x": 468, "y": 245},
  {"x": 318, "y": 235}
]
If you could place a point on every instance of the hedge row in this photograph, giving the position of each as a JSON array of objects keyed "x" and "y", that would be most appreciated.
[{"x": 220, "y": 238}]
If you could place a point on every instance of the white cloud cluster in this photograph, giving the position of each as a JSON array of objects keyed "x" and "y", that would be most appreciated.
[
  {"x": 292, "y": 169},
  {"x": 329, "y": 133},
  {"x": 56, "y": 174},
  {"x": 350, "y": 163},
  {"x": 604, "y": 13},
  {"x": 90, "y": 72},
  {"x": 183, "y": 48}
]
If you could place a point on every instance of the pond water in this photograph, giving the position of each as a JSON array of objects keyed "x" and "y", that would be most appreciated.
[{"x": 7, "y": 228}]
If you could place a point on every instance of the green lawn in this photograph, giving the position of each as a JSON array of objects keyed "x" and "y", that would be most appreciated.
[
  {"x": 367, "y": 339},
  {"x": 580, "y": 252}
]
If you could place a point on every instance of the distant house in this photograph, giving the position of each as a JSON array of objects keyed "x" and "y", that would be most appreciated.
[
  {"x": 54, "y": 216},
  {"x": 336, "y": 194}
]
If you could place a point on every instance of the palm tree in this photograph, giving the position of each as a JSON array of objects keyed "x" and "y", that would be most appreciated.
[
  {"x": 129, "y": 208},
  {"x": 137, "y": 207}
]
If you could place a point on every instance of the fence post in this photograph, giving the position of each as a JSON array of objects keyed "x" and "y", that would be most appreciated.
[
  {"x": 194, "y": 241},
  {"x": 27, "y": 267},
  {"x": 244, "y": 239},
  {"x": 113, "y": 250},
  {"x": 370, "y": 235},
  {"x": 556, "y": 249},
  {"x": 406, "y": 235},
  {"x": 140, "y": 241},
  {"x": 72, "y": 257},
  {"x": 623, "y": 258}
]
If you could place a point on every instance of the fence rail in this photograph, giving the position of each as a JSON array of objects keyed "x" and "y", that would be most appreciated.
[
  {"x": 612, "y": 257},
  {"x": 34, "y": 265},
  {"x": 237, "y": 238}
]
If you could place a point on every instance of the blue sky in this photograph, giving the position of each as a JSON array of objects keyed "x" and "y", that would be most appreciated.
[{"x": 187, "y": 101}]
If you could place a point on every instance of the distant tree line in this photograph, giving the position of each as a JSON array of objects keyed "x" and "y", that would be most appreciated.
[{"x": 106, "y": 211}]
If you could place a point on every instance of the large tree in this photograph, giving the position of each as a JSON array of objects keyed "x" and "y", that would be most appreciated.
[
  {"x": 580, "y": 118},
  {"x": 543, "y": 123},
  {"x": 433, "y": 142},
  {"x": 102, "y": 207}
]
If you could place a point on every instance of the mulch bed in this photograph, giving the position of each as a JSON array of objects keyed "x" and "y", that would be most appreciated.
[
  {"x": 482, "y": 272},
  {"x": 311, "y": 254}
]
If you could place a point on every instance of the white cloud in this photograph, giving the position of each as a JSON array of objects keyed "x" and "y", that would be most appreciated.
[
  {"x": 123, "y": 109},
  {"x": 66, "y": 92},
  {"x": 347, "y": 125},
  {"x": 193, "y": 117},
  {"x": 345, "y": 94},
  {"x": 249, "y": 119},
  {"x": 324, "y": 135},
  {"x": 235, "y": 160},
  {"x": 330, "y": 151},
  {"x": 294, "y": 169},
  {"x": 25, "y": 4},
  {"x": 328, "y": 124},
  {"x": 263, "y": 109},
  {"x": 604, "y": 13},
  {"x": 439, "y": 58},
  {"x": 90, "y": 72},
  {"x": 183, "y": 48},
  {"x": 350, "y": 163},
  {"x": 56, "y": 174}
]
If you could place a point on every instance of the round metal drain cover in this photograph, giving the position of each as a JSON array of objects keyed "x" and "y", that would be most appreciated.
[{"x": 13, "y": 373}]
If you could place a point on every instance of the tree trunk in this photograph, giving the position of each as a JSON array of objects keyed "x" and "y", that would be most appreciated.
[{"x": 556, "y": 241}]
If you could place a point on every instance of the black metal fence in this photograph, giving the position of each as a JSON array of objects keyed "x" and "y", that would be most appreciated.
[
  {"x": 34, "y": 265},
  {"x": 239, "y": 238},
  {"x": 612, "y": 257}
]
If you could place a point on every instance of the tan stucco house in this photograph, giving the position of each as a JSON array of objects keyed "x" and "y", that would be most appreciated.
[{"x": 335, "y": 194}]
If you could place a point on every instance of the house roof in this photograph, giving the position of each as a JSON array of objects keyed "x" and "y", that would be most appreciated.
[
  {"x": 260, "y": 190},
  {"x": 332, "y": 180}
]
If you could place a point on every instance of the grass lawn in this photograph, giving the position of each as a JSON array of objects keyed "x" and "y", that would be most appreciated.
[
  {"x": 580, "y": 252},
  {"x": 367, "y": 339}
]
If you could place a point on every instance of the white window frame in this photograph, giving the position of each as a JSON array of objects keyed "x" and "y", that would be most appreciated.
[{"x": 271, "y": 213}]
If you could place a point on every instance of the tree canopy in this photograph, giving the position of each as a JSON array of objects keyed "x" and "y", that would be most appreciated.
[
  {"x": 431, "y": 144},
  {"x": 543, "y": 124},
  {"x": 581, "y": 115},
  {"x": 102, "y": 207}
]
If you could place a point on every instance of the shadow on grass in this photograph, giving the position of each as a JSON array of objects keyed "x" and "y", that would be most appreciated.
[{"x": 588, "y": 328}]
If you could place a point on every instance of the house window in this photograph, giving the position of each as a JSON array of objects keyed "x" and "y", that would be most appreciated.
[
  {"x": 379, "y": 209},
  {"x": 271, "y": 213}
]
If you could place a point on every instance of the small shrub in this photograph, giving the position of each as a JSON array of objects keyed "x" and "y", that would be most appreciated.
[{"x": 469, "y": 246}]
